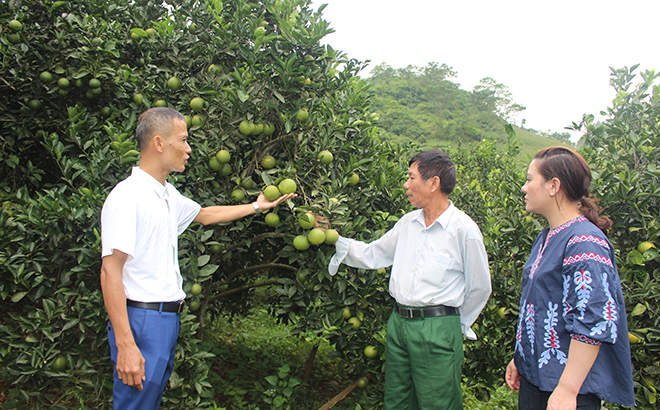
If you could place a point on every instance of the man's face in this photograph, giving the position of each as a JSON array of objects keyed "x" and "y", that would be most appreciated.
[
  {"x": 176, "y": 150},
  {"x": 418, "y": 190}
]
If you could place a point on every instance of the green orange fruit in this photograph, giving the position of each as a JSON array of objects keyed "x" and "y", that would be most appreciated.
[
  {"x": 197, "y": 104},
  {"x": 307, "y": 221},
  {"x": 355, "y": 322},
  {"x": 46, "y": 77},
  {"x": 138, "y": 99},
  {"x": 346, "y": 313},
  {"x": 370, "y": 352},
  {"x": 94, "y": 83},
  {"x": 325, "y": 157},
  {"x": 316, "y": 236},
  {"x": 225, "y": 170},
  {"x": 271, "y": 192},
  {"x": 302, "y": 115},
  {"x": 174, "y": 83},
  {"x": 331, "y": 236},
  {"x": 15, "y": 25},
  {"x": 301, "y": 243},
  {"x": 63, "y": 82},
  {"x": 268, "y": 162},
  {"x": 287, "y": 186},
  {"x": 223, "y": 156},
  {"x": 272, "y": 219},
  {"x": 237, "y": 195}
]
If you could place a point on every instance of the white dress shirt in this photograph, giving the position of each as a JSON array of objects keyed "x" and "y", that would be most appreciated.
[
  {"x": 143, "y": 218},
  {"x": 442, "y": 264}
]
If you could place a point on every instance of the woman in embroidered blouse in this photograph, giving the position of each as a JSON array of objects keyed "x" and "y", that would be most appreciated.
[{"x": 572, "y": 348}]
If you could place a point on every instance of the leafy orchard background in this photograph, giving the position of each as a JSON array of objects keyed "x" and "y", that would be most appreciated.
[{"x": 67, "y": 139}]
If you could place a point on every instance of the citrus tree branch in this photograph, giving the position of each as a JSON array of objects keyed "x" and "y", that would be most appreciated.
[
  {"x": 242, "y": 288},
  {"x": 256, "y": 239},
  {"x": 252, "y": 269}
]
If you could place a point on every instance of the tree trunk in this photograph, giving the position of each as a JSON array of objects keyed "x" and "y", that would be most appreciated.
[{"x": 310, "y": 363}]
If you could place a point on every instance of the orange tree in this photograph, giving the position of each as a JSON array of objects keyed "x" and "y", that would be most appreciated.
[
  {"x": 254, "y": 81},
  {"x": 625, "y": 155}
]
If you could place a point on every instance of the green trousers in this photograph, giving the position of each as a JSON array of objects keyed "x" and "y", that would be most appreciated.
[{"x": 423, "y": 363}]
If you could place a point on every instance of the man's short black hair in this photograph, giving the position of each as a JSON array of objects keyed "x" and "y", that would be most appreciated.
[
  {"x": 157, "y": 120},
  {"x": 433, "y": 163}
]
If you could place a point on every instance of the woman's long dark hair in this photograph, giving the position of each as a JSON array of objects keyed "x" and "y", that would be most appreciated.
[{"x": 573, "y": 171}]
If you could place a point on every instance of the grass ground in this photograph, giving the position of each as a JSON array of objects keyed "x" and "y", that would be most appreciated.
[{"x": 257, "y": 359}]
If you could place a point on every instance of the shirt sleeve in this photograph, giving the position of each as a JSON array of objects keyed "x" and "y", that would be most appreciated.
[
  {"x": 477, "y": 284},
  {"x": 590, "y": 307},
  {"x": 374, "y": 255},
  {"x": 118, "y": 225},
  {"x": 187, "y": 211}
]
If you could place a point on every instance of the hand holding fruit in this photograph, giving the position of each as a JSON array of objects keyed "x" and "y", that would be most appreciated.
[{"x": 266, "y": 204}]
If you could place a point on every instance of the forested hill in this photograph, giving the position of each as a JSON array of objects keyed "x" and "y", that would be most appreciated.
[{"x": 424, "y": 105}]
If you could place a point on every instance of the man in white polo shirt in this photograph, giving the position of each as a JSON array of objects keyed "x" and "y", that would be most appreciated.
[{"x": 142, "y": 285}]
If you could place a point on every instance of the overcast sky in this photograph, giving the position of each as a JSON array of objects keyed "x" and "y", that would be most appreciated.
[{"x": 553, "y": 55}]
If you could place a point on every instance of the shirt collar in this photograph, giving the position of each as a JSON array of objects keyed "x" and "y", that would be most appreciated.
[
  {"x": 442, "y": 220},
  {"x": 149, "y": 181}
]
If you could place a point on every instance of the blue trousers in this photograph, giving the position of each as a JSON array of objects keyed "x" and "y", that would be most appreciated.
[{"x": 156, "y": 335}]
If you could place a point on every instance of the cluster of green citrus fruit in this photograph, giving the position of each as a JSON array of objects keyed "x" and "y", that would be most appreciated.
[
  {"x": 15, "y": 26},
  {"x": 251, "y": 128},
  {"x": 220, "y": 162},
  {"x": 316, "y": 236}
]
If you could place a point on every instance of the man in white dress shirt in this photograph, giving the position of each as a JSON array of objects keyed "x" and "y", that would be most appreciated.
[
  {"x": 440, "y": 281},
  {"x": 142, "y": 285}
]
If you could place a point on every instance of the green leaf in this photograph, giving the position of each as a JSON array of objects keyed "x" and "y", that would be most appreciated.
[
  {"x": 638, "y": 310},
  {"x": 18, "y": 296},
  {"x": 272, "y": 380},
  {"x": 203, "y": 260}
]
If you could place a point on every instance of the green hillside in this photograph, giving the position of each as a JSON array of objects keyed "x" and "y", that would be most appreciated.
[
  {"x": 531, "y": 143},
  {"x": 423, "y": 105}
]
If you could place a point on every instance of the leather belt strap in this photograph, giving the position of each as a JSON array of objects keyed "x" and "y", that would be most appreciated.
[
  {"x": 422, "y": 312},
  {"x": 176, "y": 307}
]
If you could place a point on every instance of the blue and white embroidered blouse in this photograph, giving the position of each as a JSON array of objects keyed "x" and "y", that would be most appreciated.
[{"x": 571, "y": 289}]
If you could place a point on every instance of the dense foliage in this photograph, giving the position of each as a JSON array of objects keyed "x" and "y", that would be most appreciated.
[
  {"x": 424, "y": 105},
  {"x": 625, "y": 153},
  {"x": 74, "y": 77},
  {"x": 68, "y": 139}
]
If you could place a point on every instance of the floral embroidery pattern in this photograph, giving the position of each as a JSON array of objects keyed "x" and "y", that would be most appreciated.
[
  {"x": 519, "y": 332},
  {"x": 551, "y": 338},
  {"x": 585, "y": 339},
  {"x": 588, "y": 238},
  {"x": 610, "y": 314},
  {"x": 566, "y": 288},
  {"x": 588, "y": 256},
  {"x": 551, "y": 233},
  {"x": 530, "y": 325},
  {"x": 535, "y": 265},
  {"x": 582, "y": 280}
]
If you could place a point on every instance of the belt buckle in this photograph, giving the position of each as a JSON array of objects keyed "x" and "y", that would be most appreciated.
[
  {"x": 408, "y": 312},
  {"x": 180, "y": 309}
]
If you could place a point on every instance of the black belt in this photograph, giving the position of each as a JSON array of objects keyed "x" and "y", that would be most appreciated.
[
  {"x": 160, "y": 306},
  {"x": 422, "y": 312}
]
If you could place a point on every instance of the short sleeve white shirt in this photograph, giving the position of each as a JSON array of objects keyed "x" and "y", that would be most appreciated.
[{"x": 143, "y": 218}]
